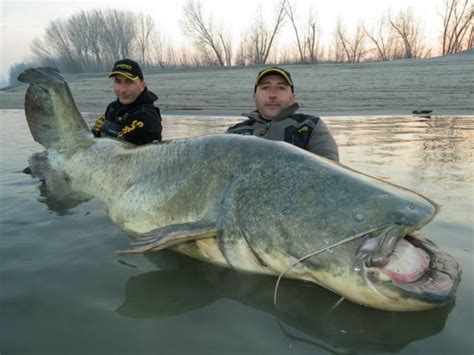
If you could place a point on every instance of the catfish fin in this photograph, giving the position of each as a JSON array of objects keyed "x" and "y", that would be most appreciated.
[
  {"x": 51, "y": 112},
  {"x": 165, "y": 237}
]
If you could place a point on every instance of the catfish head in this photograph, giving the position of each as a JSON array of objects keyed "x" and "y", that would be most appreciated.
[{"x": 353, "y": 234}]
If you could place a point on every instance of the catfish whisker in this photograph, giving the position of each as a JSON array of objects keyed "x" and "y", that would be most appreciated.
[
  {"x": 348, "y": 239},
  {"x": 336, "y": 304}
]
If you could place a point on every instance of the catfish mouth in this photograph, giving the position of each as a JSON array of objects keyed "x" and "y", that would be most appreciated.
[{"x": 410, "y": 263}]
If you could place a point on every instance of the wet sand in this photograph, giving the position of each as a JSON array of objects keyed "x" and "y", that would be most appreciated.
[{"x": 444, "y": 85}]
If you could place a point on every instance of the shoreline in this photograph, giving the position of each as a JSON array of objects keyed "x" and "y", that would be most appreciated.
[
  {"x": 186, "y": 115},
  {"x": 444, "y": 85}
]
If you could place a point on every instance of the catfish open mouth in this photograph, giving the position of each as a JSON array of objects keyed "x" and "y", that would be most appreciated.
[{"x": 418, "y": 267}]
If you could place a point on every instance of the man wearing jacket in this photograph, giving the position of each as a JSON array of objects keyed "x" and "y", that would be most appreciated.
[
  {"x": 132, "y": 117},
  {"x": 275, "y": 116}
]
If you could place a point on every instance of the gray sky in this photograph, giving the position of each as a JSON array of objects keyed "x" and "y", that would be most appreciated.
[{"x": 23, "y": 20}]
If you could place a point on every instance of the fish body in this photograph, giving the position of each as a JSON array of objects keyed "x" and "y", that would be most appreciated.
[{"x": 250, "y": 204}]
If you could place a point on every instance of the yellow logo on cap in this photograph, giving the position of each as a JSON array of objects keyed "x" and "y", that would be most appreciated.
[
  {"x": 275, "y": 70},
  {"x": 124, "y": 66}
]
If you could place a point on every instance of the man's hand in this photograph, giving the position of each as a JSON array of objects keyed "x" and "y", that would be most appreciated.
[{"x": 98, "y": 125}]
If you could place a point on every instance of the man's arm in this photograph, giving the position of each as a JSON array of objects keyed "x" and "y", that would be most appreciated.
[
  {"x": 244, "y": 127},
  {"x": 144, "y": 127},
  {"x": 322, "y": 142},
  {"x": 98, "y": 125}
]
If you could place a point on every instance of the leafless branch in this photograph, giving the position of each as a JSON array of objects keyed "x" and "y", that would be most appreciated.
[
  {"x": 206, "y": 33},
  {"x": 410, "y": 31},
  {"x": 457, "y": 26}
]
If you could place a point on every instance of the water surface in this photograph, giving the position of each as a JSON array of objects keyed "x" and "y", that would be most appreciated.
[{"x": 63, "y": 290}]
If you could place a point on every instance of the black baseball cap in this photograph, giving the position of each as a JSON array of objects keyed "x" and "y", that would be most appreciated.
[
  {"x": 127, "y": 68},
  {"x": 275, "y": 71}
]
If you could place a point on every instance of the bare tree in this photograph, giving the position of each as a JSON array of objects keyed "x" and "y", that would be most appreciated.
[
  {"x": 352, "y": 46},
  {"x": 145, "y": 31},
  {"x": 83, "y": 31},
  {"x": 470, "y": 40},
  {"x": 307, "y": 37},
  {"x": 384, "y": 39},
  {"x": 92, "y": 40},
  {"x": 457, "y": 26},
  {"x": 410, "y": 31},
  {"x": 226, "y": 43},
  {"x": 75, "y": 31},
  {"x": 241, "y": 57},
  {"x": 311, "y": 38},
  {"x": 56, "y": 48},
  {"x": 159, "y": 51},
  {"x": 183, "y": 58},
  {"x": 260, "y": 37},
  {"x": 41, "y": 52},
  {"x": 119, "y": 33},
  {"x": 338, "y": 54},
  {"x": 94, "y": 27},
  {"x": 56, "y": 34},
  {"x": 206, "y": 34},
  {"x": 290, "y": 13}
]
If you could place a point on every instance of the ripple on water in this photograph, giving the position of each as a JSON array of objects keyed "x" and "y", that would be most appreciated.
[{"x": 62, "y": 286}]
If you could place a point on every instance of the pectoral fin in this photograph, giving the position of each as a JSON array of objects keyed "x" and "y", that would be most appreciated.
[{"x": 165, "y": 237}]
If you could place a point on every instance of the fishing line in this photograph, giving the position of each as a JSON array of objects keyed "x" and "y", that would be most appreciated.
[{"x": 348, "y": 239}]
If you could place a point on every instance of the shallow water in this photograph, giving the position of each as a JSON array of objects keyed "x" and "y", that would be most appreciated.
[{"x": 63, "y": 290}]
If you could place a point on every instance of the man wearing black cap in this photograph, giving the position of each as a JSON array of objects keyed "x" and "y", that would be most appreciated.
[
  {"x": 132, "y": 117},
  {"x": 275, "y": 117}
]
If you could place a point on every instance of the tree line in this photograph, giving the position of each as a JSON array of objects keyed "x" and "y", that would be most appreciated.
[{"x": 90, "y": 41}]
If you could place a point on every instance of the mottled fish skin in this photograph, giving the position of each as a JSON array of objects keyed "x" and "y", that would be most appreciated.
[{"x": 265, "y": 203}]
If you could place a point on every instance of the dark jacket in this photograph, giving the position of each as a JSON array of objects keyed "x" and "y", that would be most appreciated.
[
  {"x": 304, "y": 131},
  {"x": 137, "y": 123}
]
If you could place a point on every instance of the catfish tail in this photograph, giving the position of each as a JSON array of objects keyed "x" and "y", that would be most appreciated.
[{"x": 52, "y": 115}]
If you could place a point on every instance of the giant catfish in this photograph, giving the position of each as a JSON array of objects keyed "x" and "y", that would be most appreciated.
[{"x": 249, "y": 204}]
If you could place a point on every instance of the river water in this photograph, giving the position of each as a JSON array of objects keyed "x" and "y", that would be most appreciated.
[{"x": 63, "y": 290}]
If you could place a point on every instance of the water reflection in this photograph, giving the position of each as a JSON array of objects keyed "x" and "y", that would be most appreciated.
[
  {"x": 432, "y": 156},
  {"x": 54, "y": 189},
  {"x": 305, "y": 313},
  {"x": 438, "y": 139}
]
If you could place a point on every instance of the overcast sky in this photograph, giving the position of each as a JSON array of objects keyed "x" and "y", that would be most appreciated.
[{"x": 23, "y": 20}]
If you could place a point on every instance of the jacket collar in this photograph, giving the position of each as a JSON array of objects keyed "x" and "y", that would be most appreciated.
[{"x": 286, "y": 112}]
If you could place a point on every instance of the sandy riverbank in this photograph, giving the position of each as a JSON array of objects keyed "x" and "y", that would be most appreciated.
[{"x": 444, "y": 85}]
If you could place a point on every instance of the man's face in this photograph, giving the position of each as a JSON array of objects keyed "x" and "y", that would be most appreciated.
[
  {"x": 127, "y": 90},
  {"x": 272, "y": 96}
]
